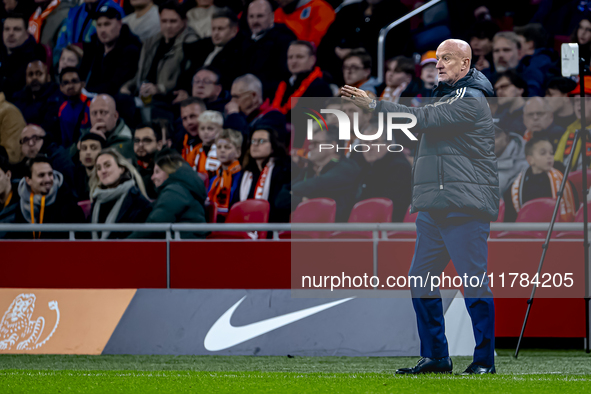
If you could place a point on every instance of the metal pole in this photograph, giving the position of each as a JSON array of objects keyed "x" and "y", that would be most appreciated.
[
  {"x": 376, "y": 240},
  {"x": 585, "y": 219},
  {"x": 168, "y": 238}
]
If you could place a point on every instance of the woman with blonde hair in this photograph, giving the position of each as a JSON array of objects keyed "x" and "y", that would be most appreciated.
[{"x": 117, "y": 192}]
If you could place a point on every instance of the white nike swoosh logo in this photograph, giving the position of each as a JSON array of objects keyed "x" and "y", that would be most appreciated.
[{"x": 223, "y": 335}]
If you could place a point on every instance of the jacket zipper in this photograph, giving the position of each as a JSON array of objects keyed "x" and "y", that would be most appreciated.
[{"x": 440, "y": 171}]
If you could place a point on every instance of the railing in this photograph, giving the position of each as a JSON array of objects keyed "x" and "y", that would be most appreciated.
[{"x": 384, "y": 32}]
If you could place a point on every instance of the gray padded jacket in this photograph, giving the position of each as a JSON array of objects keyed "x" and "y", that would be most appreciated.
[{"x": 455, "y": 168}]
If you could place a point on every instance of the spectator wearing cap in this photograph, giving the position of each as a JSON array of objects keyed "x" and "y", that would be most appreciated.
[
  {"x": 44, "y": 197},
  {"x": 566, "y": 141},
  {"x": 400, "y": 72},
  {"x": 19, "y": 49},
  {"x": 265, "y": 171},
  {"x": 221, "y": 52},
  {"x": 265, "y": 51},
  {"x": 358, "y": 25},
  {"x": 12, "y": 122},
  {"x": 34, "y": 142},
  {"x": 207, "y": 87},
  {"x": 74, "y": 111},
  {"x": 147, "y": 142},
  {"x": 89, "y": 147},
  {"x": 80, "y": 26},
  {"x": 199, "y": 18},
  {"x": 308, "y": 19},
  {"x": 538, "y": 119},
  {"x": 510, "y": 153},
  {"x": 144, "y": 22},
  {"x": 46, "y": 21},
  {"x": 511, "y": 90},
  {"x": 158, "y": 68},
  {"x": 105, "y": 120},
  {"x": 181, "y": 195},
  {"x": 306, "y": 78},
  {"x": 557, "y": 95},
  {"x": 247, "y": 109},
  {"x": 111, "y": 57},
  {"x": 118, "y": 194},
  {"x": 357, "y": 71},
  {"x": 8, "y": 192},
  {"x": 481, "y": 39},
  {"x": 40, "y": 100}
]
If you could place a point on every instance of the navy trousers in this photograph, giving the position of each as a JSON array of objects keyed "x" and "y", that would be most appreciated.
[{"x": 463, "y": 240}]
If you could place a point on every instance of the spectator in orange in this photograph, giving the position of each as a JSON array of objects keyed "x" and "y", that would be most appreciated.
[
  {"x": 308, "y": 19},
  {"x": 227, "y": 178},
  {"x": 541, "y": 179},
  {"x": 306, "y": 78},
  {"x": 203, "y": 158},
  {"x": 191, "y": 108}
]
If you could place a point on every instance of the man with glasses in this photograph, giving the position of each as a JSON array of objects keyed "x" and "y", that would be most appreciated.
[
  {"x": 538, "y": 119},
  {"x": 511, "y": 90},
  {"x": 147, "y": 141},
  {"x": 74, "y": 112},
  {"x": 247, "y": 109},
  {"x": 207, "y": 87},
  {"x": 357, "y": 71},
  {"x": 34, "y": 142}
]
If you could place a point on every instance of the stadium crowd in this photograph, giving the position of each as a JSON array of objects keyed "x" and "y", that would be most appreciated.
[{"x": 137, "y": 111}]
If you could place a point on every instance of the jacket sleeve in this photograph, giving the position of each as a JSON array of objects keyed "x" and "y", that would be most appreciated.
[
  {"x": 11, "y": 125},
  {"x": 465, "y": 106},
  {"x": 169, "y": 206}
]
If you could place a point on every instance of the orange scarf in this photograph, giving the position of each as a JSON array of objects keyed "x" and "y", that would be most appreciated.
[
  {"x": 293, "y": 99},
  {"x": 187, "y": 149},
  {"x": 8, "y": 199},
  {"x": 38, "y": 18},
  {"x": 222, "y": 187},
  {"x": 41, "y": 213},
  {"x": 567, "y": 202}
]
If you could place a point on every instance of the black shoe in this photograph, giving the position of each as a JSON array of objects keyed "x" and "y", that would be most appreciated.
[
  {"x": 475, "y": 369},
  {"x": 428, "y": 365}
]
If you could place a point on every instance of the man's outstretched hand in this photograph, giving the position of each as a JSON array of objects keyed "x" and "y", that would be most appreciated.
[{"x": 357, "y": 96}]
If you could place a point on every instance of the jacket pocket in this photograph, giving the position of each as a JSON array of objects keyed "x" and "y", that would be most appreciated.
[{"x": 440, "y": 171}]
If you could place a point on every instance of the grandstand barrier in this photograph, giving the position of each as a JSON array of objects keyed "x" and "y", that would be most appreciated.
[{"x": 174, "y": 263}]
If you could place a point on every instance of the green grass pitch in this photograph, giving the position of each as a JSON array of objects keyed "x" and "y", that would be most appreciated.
[{"x": 534, "y": 372}]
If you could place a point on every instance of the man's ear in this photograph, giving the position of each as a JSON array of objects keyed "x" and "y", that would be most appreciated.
[
  {"x": 28, "y": 180},
  {"x": 160, "y": 144},
  {"x": 116, "y": 115},
  {"x": 530, "y": 160},
  {"x": 8, "y": 175}
]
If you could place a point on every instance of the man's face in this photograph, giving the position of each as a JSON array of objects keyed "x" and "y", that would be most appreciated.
[
  {"x": 480, "y": 46},
  {"x": 89, "y": 150},
  {"x": 171, "y": 24},
  {"x": 299, "y": 59},
  {"x": 5, "y": 181},
  {"x": 101, "y": 111},
  {"x": 429, "y": 74},
  {"x": 260, "y": 16},
  {"x": 10, "y": 5},
  {"x": 536, "y": 115},
  {"x": 222, "y": 31},
  {"x": 208, "y": 132},
  {"x": 206, "y": 85},
  {"x": 246, "y": 99},
  {"x": 542, "y": 156},
  {"x": 108, "y": 30},
  {"x": 506, "y": 91},
  {"x": 145, "y": 143},
  {"x": 527, "y": 47},
  {"x": 68, "y": 59},
  {"x": 226, "y": 151},
  {"x": 501, "y": 141},
  {"x": 353, "y": 71},
  {"x": 450, "y": 64},
  {"x": 557, "y": 100},
  {"x": 36, "y": 76},
  {"x": 41, "y": 180},
  {"x": 395, "y": 78},
  {"x": 190, "y": 115},
  {"x": 14, "y": 34},
  {"x": 587, "y": 107},
  {"x": 70, "y": 85},
  {"x": 315, "y": 155},
  {"x": 32, "y": 141},
  {"x": 505, "y": 54}
]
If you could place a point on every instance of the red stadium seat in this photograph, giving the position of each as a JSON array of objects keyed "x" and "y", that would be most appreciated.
[
  {"x": 372, "y": 210},
  {"x": 538, "y": 210},
  {"x": 211, "y": 212},
  {"x": 500, "y": 218},
  {"x": 248, "y": 211},
  {"x": 205, "y": 178},
  {"x": 408, "y": 218},
  {"x": 316, "y": 210},
  {"x": 576, "y": 179},
  {"x": 86, "y": 206},
  {"x": 578, "y": 219}
]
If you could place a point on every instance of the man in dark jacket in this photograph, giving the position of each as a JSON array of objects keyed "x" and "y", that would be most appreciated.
[
  {"x": 111, "y": 58},
  {"x": 44, "y": 198},
  {"x": 147, "y": 141},
  {"x": 456, "y": 192},
  {"x": 40, "y": 100},
  {"x": 18, "y": 50}
]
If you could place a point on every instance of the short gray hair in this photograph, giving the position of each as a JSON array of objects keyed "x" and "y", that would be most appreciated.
[
  {"x": 252, "y": 83},
  {"x": 509, "y": 36}
]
